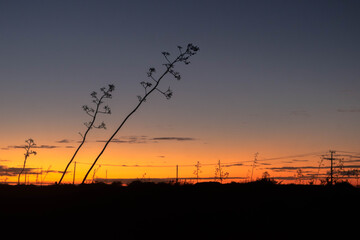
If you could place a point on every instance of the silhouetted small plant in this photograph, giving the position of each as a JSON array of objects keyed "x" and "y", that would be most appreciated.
[
  {"x": 29, "y": 144},
  {"x": 299, "y": 176},
  {"x": 152, "y": 85},
  {"x": 117, "y": 183},
  {"x": 266, "y": 179},
  {"x": 220, "y": 173},
  {"x": 340, "y": 171},
  {"x": 46, "y": 173},
  {"x": 197, "y": 171},
  {"x": 94, "y": 175},
  {"x": 353, "y": 173},
  {"x": 254, "y": 165},
  {"x": 266, "y": 175},
  {"x": 320, "y": 165},
  {"x": 311, "y": 181},
  {"x": 93, "y": 113}
]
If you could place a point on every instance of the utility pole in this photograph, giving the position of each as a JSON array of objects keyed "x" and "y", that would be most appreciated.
[
  {"x": 253, "y": 166},
  {"x": 177, "y": 173},
  {"x": 41, "y": 178},
  {"x": 331, "y": 158},
  {"x": 197, "y": 171},
  {"x": 332, "y": 165},
  {"x": 74, "y": 172},
  {"x": 220, "y": 171}
]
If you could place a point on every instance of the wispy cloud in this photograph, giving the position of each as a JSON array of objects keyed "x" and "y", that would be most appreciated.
[
  {"x": 263, "y": 164},
  {"x": 233, "y": 165},
  {"x": 14, "y": 171},
  {"x": 304, "y": 168},
  {"x": 351, "y": 166},
  {"x": 351, "y": 110},
  {"x": 44, "y": 146},
  {"x": 173, "y": 139},
  {"x": 288, "y": 168},
  {"x": 128, "y": 139},
  {"x": 146, "y": 139},
  {"x": 300, "y": 160},
  {"x": 37, "y": 146},
  {"x": 353, "y": 160},
  {"x": 296, "y": 160},
  {"x": 64, "y": 141}
]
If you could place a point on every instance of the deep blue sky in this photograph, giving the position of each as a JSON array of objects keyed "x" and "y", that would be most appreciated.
[{"x": 271, "y": 76}]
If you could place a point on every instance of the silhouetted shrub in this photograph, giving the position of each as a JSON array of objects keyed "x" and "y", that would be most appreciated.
[
  {"x": 117, "y": 183},
  {"x": 266, "y": 181},
  {"x": 344, "y": 185},
  {"x": 139, "y": 183}
]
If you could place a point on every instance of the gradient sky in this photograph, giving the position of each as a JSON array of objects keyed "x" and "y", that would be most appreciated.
[{"x": 276, "y": 77}]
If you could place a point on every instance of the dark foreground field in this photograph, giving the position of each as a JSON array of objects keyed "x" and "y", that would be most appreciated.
[{"x": 164, "y": 211}]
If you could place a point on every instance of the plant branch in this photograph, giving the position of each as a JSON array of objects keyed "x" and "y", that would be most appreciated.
[
  {"x": 191, "y": 50},
  {"x": 90, "y": 125},
  {"x": 30, "y": 143}
]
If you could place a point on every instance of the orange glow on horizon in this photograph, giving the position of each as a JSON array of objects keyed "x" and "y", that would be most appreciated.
[{"x": 125, "y": 161}]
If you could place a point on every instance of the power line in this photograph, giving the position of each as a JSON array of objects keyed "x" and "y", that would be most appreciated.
[
  {"x": 280, "y": 158},
  {"x": 331, "y": 158},
  {"x": 234, "y": 163},
  {"x": 357, "y": 153},
  {"x": 292, "y": 156},
  {"x": 227, "y": 164}
]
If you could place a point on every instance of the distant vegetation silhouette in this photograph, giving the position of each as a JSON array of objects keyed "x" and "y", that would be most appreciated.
[
  {"x": 220, "y": 173},
  {"x": 93, "y": 113},
  {"x": 29, "y": 144},
  {"x": 149, "y": 87},
  {"x": 197, "y": 171}
]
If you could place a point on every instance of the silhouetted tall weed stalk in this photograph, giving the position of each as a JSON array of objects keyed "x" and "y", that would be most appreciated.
[
  {"x": 153, "y": 85},
  {"x": 29, "y": 144},
  {"x": 93, "y": 113}
]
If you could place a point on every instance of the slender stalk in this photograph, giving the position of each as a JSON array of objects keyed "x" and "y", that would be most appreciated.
[
  {"x": 22, "y": 170},
  {"x": 124, "y": 121},
  {"x": 30, "y": 143},
  {"x": 82, "y": 142},
  {"x": 183, "y": 57},
  {"x": 253, "y": 166},
  {"x": 93, "y": 113}
]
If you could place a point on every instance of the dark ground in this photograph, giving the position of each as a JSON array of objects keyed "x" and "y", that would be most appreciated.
[{"x": 163, "y": 211}]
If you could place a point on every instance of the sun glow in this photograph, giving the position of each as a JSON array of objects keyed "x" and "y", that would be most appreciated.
[{"x": 166, "y": 160}]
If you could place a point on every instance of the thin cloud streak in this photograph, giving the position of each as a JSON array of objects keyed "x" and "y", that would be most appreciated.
[
  {"x": 173, "y": 139},
  {"x": 129, "y": 139},
  {"x": 64, "y": 141},
  {"x": 13, "y": 171},
  {"x": 37, "y": 146},
  {"x": 288, "y": 168},
  {"x": 146, "y": 139},
  {"x": 353, "y": 110}
]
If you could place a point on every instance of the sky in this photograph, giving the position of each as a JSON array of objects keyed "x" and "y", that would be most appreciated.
[{"x": 280, "y": 78}]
